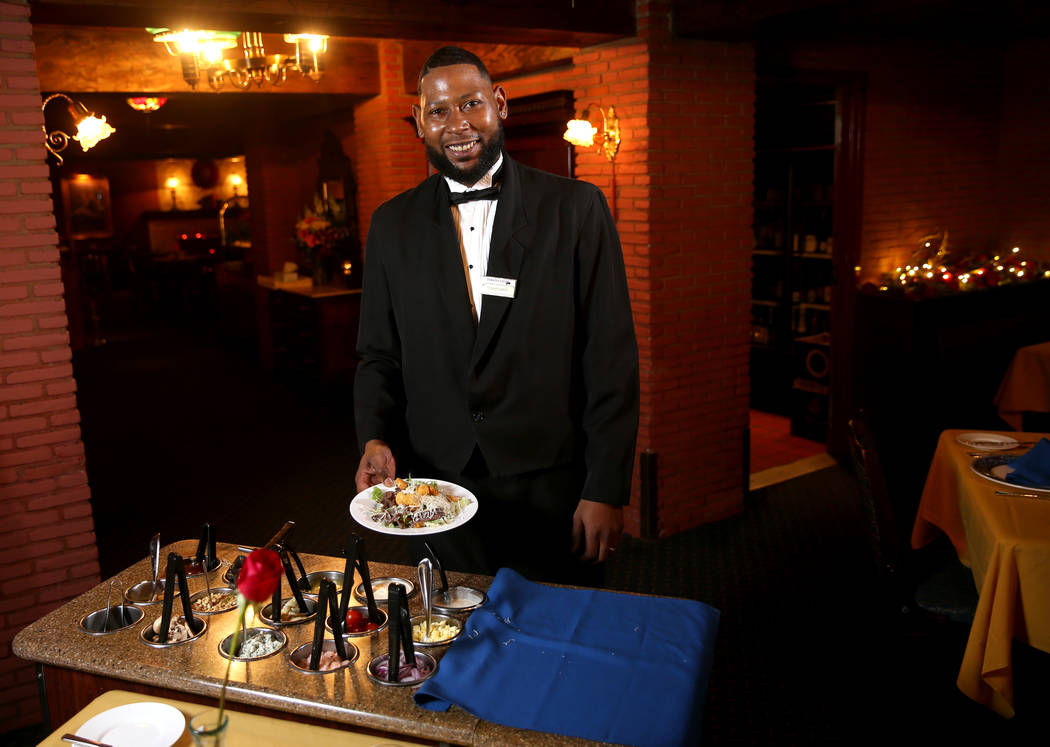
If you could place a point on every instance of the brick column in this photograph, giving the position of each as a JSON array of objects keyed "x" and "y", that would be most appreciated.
[
  {"x": 47, "y": 539},
  {"x": 389, "y": 158},
  {"x": 681, "y": 191}
]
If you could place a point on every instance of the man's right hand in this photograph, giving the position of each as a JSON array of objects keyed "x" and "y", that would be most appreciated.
[{"x": 377, "y": 466}]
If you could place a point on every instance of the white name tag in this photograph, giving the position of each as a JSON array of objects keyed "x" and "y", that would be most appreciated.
[{"x": 491, "y": 286}]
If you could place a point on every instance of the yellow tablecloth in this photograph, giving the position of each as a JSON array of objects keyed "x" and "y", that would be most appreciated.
[
  {"x": 1026, "y": 385},
  {"x": 1005, "y": 540},
  {"x": 245, "y": 729}
]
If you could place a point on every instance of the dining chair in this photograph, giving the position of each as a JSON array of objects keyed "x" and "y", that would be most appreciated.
[{"x": 927, "y": 585}]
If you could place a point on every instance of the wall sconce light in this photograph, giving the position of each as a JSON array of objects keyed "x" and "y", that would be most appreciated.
[
  {"x": 236, "y": 181},
  {"x": 202, "y": 54},
  {"x": 173, "y": 184},
  {"x": 90, "y": 128},
  {"x": 581, "y": 132}
]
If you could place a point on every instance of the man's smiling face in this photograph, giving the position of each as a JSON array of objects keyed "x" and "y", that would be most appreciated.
[{"x": 459, "y": 115}]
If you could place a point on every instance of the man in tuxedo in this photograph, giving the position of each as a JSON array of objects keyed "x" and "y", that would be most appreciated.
[{"x": 496, "y": 343}]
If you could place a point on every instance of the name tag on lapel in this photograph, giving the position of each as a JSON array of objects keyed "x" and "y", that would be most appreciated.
[{"x": 491, "y": 286}]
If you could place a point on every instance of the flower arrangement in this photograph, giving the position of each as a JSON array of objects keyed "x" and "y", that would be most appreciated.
[{"x": 321, "y": 233}]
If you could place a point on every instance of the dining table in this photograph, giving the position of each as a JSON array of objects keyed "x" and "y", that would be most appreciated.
[
  {"x": 1001, "y": 531},
  {"x": 244, "y": 730},
  {"x": 1026, "y": 385}
]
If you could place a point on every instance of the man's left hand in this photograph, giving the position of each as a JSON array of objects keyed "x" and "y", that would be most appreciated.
[{"x": 596, "y": 528}]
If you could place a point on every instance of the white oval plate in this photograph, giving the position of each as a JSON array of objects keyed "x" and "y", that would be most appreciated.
[
  {"x": 136, "y": 725},
  {"x": 361, "y": 510},
  {"x": 987, "y": 441},
  {"x": 997, "y": 468}
]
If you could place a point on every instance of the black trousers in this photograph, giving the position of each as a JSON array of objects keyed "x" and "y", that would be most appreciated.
[{"x": 524, "y": 522}]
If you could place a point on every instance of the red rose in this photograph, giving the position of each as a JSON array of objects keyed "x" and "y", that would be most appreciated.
[{"x": 260, "y": 575}]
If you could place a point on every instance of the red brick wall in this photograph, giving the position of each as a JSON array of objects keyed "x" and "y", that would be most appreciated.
[
  {"x": 1024, "y": 153},
  {"x": 682, "y": 201},
  {"x": 932, "y": 138},
  {"x": 47, "y": 538},
  {"x": 389, "y": 157},
  {"x": 700, "y": 161}
]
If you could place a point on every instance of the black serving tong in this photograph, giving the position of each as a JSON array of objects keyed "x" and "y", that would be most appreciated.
[
  {"x": 437, "y": 564},
  {"x": 209, "y": 553},
  {"x": 234, "y": 570},
  {"x": 275, "y": 608},
  {"x": 175, "y": 572},
  {"x": 303, "y": 582},
  {"x": 400, "y": 631},
  {"x": 355, "y": 558},
  {"x": 202, "y": 544},
  {"x": 326, "y": 599},
  {"x": 206, "y": 547}
]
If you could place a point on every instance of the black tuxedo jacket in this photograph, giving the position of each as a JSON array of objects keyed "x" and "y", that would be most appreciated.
[{"x": 546, "y": 378}]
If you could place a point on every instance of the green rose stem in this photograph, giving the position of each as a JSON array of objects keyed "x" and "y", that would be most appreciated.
[
  {"x": 242, "y": 607},
  {"x": 259, "y": 577}
]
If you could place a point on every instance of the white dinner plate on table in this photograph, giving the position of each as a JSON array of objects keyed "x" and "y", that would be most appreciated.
[
  {"x": 996, "y": 467},
  {"x": 362, "y": 507},
  {"x": 987, "y": 441},
  {"x": 136, "y": 725}
]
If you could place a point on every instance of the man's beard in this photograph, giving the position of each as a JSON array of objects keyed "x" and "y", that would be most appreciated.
[{"x": 467, "y": 177}]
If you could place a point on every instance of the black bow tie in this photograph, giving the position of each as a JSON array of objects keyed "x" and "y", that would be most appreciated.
[{"x": 488, "y": 193}]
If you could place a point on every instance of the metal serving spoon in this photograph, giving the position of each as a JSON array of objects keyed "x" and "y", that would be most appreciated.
[
  {"x": 154, "y": 552},
  {"x": 426, "y": 585}
]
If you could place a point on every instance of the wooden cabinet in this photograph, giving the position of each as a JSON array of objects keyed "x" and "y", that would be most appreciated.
[
  {"x": 796, "y": 135},
  {"x": 309, "y": 335}
]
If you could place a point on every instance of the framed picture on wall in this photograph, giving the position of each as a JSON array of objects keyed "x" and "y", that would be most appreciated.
[{"x": 86, "y": 208}]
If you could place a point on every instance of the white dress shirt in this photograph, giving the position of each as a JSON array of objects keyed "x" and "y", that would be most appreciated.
[{"x": 475, "y": 230}]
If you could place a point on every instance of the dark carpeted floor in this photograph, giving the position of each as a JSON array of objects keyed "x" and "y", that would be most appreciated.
[{"x": 181, "y": 428}]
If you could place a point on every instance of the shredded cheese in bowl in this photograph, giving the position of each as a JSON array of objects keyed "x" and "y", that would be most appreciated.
[{"x": 440, "y": 630}]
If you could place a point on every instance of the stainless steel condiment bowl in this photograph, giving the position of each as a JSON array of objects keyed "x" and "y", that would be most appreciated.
[
  {"x": 372, "y": 674},
  {"x": 266, "y": 615},
  {"x": 300, "y": 657},
  {"x": 380, "y": 586},
  {"x": 104, "y": 622},
  {"x": 203, "y": 593},
  {"x": 336, "y": 577},
  {"x": 447, "y": 619},
  {"x": 198, "y": 625},
  {"x": 142, "y": 593},
  {"x": 459, "y": 599},
  {"x": 189, "y": 560},
  {"x": 224, "y": 645},
  {"x": 364, "y": 611}
]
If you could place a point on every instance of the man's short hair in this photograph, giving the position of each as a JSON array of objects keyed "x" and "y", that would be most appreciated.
[{"x": 451, "y": 56}]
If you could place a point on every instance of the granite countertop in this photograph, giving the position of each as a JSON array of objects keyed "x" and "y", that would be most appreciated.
[{"x": 346, "y": 696}]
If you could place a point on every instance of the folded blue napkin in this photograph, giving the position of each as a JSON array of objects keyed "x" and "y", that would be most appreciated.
[
  {"x": 1032, "y": 470},
  {"x": 580, "y": 662}
]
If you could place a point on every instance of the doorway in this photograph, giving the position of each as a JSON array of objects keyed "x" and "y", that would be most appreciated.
[{"x": 806, "y": 224}]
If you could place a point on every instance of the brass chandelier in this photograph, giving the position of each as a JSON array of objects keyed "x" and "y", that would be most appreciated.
[{"x": 203, "y": 57}]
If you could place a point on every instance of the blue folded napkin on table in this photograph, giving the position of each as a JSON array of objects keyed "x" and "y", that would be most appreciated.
[
  {"x": 580, "y": 662},
  {"x": 1032, "y": 469}
]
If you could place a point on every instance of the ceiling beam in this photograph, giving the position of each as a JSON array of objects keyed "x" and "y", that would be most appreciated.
[
  {"x": 541, "y": 22},
  {"x": 942, "y": 20}
]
